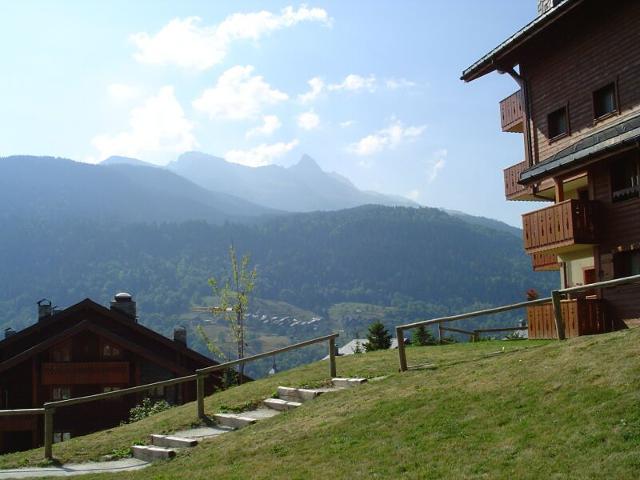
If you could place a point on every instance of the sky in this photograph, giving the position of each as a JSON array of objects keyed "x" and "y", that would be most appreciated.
[{"x": 369, "y": 89}]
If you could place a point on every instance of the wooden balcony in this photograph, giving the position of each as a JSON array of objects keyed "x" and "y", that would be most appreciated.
[
  {"x": 560, "y": 227},
  {"x": 544, "y": 262},
  {"x": 86, "y": 373},
  {"x": 512, "y": 189},
  {"x": 583, "y": 316},
  {"x": 512, "y": 113}
]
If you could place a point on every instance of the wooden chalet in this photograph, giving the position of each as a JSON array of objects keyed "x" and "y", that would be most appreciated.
[
  {"x": 83, "y": 350},
  {"x": 577, "y": 66}
]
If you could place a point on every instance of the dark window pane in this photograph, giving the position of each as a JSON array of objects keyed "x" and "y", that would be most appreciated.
[
  {"x": 625, "y": 178},
  {"x": 558, "y": 123},
  {"x": 604, "y": 101}
]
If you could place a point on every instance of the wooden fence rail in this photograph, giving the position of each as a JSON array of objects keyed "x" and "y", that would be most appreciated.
[
  {"x": 49, "y": 408},
  {"x": 555, "y": 299}
]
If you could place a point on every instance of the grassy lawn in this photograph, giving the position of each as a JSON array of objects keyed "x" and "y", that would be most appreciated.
[{"x": 537, "y": 410}]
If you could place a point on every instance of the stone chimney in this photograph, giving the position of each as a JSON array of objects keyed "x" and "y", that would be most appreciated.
[
  {"x": 545, "y": 5},
  {"x": 45, "y": 309},
  {"x": 180, "y": 335},
  {"x": 123, "y": 303}
]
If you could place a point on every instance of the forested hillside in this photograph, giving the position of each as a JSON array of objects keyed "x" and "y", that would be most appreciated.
[{"x": 421, "y": 261}]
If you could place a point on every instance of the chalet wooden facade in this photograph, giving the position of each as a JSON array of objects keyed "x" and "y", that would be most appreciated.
[
  {"x": 83, "y": 350},
  {"x": 577, "y": 66}
]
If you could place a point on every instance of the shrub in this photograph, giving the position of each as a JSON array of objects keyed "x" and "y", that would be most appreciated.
[
  {"x": 146, "y": 408},
  {"x": 422, "y": 336},
  {"x": 378, "y": 337}
]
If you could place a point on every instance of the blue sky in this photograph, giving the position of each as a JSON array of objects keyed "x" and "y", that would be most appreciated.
[{"x": 370, "y": 89}]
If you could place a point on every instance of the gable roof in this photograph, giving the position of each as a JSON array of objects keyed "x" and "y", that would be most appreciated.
[
  {"x": 88, "y": 305},
  {"x": 504, "y": 56}
]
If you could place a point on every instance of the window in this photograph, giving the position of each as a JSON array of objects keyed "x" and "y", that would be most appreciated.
[
  {"x": 626, "y": 264},
  {"x": 625, "y": 179},
  {"x": 604, "y": 101},
  {"x": 111, "y": 351},
  {"x": 558, "y": 123},
  {"x": 61, "y": 353},
  {"x": 61, "y": 436},
  {"x": 60, "y": 393}
]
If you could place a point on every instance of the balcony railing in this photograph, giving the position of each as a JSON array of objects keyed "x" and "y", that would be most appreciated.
[
  {"x": 561, "y": 226},
  {"x": 512, "y": 189},
  {"x": 542, "y": 262},
  {"x": 512, "y": 113},
  {"x": 85, "y": 373},
  {"x": 582, "y": 316}
]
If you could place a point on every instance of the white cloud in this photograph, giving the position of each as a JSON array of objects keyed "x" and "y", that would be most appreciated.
[
  {"x": 261, "y": 155},
  {"x": 238, "y": 95},
  {"x": 346, "y": 123},
  {"x": 355, "y": 83},
  {"x": 187, "y": 43},
  {"x": 270, "y": 123},
  {"x": 121, "y": 92},
  {"x": 316, "y": 85},
  {"x": 387, "y": 138},
  {"x": 308, "y": 120},
  {"x": 396, "y": 83},
  {"x": 413, "y": 195},
  {"x": 436, "y": 164},
  {"x": 158, "y": 126}
]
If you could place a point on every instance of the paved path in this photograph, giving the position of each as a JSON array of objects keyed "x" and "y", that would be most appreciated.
[{"x": 70, "y": 469}]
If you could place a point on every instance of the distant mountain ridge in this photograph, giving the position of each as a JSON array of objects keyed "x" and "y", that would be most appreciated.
[
  {"x": 59, "y": 188},
  {"x": 302, "y": 187}
]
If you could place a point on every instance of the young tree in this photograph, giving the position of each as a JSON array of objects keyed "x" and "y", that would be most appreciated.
[
  {"x": 233, "y": 300},
  {"x": 378, "y": 337},
  {"x": 422, "y": 336}
]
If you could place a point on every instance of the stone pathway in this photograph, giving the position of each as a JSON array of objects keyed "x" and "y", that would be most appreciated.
[{"x": 164, "y": 447}]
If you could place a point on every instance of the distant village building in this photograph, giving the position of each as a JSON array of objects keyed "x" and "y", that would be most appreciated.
[
  {"x": 578, "y": 109},
  {"x": 83, "y": 350}
]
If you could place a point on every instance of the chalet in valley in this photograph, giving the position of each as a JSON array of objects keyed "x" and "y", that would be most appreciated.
[
  {"x": 577, "y": 66},
  {"x": 83, "y": 350}
]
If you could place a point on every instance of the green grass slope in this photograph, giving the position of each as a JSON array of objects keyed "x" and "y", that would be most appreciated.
[{"x": 535, "y": 410}]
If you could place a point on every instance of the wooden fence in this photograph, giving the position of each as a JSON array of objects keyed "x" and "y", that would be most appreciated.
[
  {"x": 555, "y": 300},
  {"x": 49, "y": 408}
]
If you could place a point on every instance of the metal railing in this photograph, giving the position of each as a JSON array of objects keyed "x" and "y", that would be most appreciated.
[
  {"x": 49, "y": 408},
  {"x": 555, "y": 299}
]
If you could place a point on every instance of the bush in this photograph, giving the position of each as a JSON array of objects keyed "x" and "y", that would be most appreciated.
[
  {"x": 378, "y": 337},
  {"x": 147, "y": 408},
  {"x": 422, "y": 336}
]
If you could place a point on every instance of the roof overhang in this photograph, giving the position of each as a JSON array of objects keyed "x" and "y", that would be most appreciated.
[
  {"x": 503, "y": 56},
  {"x": 616, "y": 138}
]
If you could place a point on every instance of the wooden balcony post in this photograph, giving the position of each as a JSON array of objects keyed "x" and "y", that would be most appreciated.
[
  {"x": 200, "y": 396},
  {"x": 557, "y": 313},
  {"x": 332, "y": 357},
  {"x": 48, "y": 432},
  {"x": 402, "y": 354},
  {"x": 559, "y": 189}
]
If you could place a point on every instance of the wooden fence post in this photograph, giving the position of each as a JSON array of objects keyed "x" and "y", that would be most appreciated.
[
  {"x": 332, "y": 357},
  {"x": 439, "y": 333},
  {"x": 48, "y": 432},
  {"x": 402, "y": 354},
  {"x": 200, "y": 395},
  {"x": 556, "y": 298}
]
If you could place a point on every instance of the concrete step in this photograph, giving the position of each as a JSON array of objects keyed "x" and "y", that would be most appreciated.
[
  {"x": 232, "y": 420},
  {"x": 348, "y": 382},
  {"x": 280, "y": 405},
  {"x": 297, "y": 394},
  {"x": 171, "y": 441},
  {"x": 150, "y": 453}
]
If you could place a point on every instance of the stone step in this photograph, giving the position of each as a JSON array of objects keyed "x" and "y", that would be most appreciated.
[
  {"x": 150, "y": 453},
  {"x": 348, "y": 382},
  {"x": 297, "y": 394},
  {"x": 171, "y": 441},
  {"x": 232, "y": 420},
  {"x": 280, "y": 405}
]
